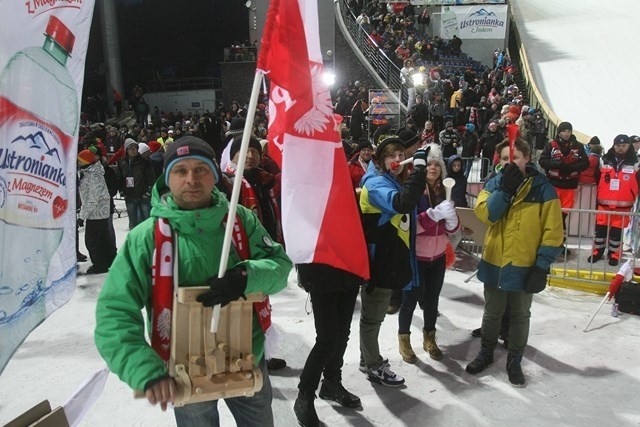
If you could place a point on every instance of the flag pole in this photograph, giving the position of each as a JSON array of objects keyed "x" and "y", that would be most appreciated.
[
  {"x": 593, "y": 316},
  {"x": 237, "y": 182}
]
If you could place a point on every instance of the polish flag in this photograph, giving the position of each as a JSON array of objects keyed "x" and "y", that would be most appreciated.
[{"x": 320, "y": 218}]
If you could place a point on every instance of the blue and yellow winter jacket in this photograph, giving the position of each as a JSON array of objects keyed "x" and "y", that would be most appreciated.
[
  {"x": 389, "y": 221},
  {"x": 521, "y": 233}
]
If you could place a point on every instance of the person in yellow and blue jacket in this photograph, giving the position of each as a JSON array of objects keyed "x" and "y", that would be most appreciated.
[
  {"x": 388, "y": 202},
  {"x": 524, "y": 235}
]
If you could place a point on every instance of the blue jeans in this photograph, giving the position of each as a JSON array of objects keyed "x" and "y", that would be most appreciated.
[
  {"x": 138, "y": 210},
  {"x": 247, "y": 411}
]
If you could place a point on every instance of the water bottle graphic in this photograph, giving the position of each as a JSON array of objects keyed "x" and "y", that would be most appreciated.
[
  {"x": 449, "y": 23},
  {"x": 38, "y": 121}
]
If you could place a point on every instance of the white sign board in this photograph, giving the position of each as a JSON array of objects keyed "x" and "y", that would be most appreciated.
[{"x": 474, "y": 22}]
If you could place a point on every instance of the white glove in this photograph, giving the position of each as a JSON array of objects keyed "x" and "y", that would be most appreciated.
[
  {"x": 452, "y": 222},
  {"x": 435, "y": 214},
  {"x": 444, "y": 210},
  {"x": 450, "y": 215}
]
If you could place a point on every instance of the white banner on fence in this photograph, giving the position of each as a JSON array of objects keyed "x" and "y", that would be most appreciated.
[
  {"x": 474, "y": 22},
  {"x": 43, "y": 46}
]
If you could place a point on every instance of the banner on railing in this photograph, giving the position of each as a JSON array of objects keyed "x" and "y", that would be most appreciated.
[
  {"x": 42, "y": 55},
  {"x": 474, "y": 22},
  {"x": 384, "y": 108}
]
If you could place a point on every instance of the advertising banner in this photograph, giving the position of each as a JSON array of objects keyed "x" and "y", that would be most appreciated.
[
  {"x": 454, "y": 2},
  {"x": 474, "y": 22},
  {"x": 43, "y": 46}
]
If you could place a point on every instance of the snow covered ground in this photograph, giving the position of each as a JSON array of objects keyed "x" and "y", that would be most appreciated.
[
  {"x": 583, "y": 56},
  {"x": 574, "y": 378}
]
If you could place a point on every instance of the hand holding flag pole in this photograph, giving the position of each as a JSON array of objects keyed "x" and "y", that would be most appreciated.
[{"x": 235, "y": 194}]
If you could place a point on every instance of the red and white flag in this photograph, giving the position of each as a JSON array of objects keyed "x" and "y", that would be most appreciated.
[{"x": 320, "y": 218}]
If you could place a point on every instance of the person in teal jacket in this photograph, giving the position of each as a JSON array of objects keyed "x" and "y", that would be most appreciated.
[
  {"x": 524, "y": 235},
  {"x": 195, "y": 210}
]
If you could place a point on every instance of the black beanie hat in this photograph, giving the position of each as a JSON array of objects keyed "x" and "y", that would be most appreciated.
[
  {"x": 237, "y": 142},
  {"x": 408, "y": 137},
  {"x": 621, "y": 139},
  {"x": 383, "y": 145},
  {"x": 364, "y": 143},
  {"x": 380, "y": 131},
  {"x": 594, "y": 141},
  {"x": 188, "y": 147},
  {"x": 564, "y": 126}
]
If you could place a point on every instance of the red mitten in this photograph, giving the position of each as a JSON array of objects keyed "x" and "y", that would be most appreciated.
[{"x": 615, "y": 285}]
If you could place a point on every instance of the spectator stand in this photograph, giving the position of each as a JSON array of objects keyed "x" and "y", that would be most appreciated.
[{"x": 382, "y": 67}]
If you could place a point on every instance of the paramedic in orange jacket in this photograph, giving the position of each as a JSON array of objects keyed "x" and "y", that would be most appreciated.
[{"x": 618, "y": 182}]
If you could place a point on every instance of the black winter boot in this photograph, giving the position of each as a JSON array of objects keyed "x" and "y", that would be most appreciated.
[
  {"x": 483, "y": 360},
  {"x": 334, "y": 390},
  {"x": 305, "y": 411},
  {"x": 514, "y": 369},
  {"x": 595, "y": 256}
]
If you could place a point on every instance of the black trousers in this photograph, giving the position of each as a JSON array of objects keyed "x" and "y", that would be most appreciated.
[
  {"x": 615, "y": 240},
  {"x": 431, "y": 281},
  {"x": 332, "y": 313},
  {"x": 100, "y": 245}
]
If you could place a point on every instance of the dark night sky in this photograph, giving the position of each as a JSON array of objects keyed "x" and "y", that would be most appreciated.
[{"x": 168, "y": 38}]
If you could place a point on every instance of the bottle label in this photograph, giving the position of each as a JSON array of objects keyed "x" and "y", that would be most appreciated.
[{"x": 33, "y": 172}]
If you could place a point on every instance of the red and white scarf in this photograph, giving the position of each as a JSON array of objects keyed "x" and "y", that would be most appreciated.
[{"x": 165, "y": 283}]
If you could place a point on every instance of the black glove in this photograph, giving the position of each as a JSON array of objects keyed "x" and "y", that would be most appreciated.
[
  {"x": 226, "y": 289},
  {"x": 420, "y": 158},
  {"x": 536, "y": 280},
  {"x": 512, "y": 177}
]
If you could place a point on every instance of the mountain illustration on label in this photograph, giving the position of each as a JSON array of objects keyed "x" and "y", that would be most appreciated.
[
  {"x": 483, "y": 12},
  {"x": 38, "y": 141}
]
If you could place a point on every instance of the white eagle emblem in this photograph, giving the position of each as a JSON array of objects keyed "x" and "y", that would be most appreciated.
[
  {"x": 164, "y": 324},
  {"x": 321, "y": 114}
]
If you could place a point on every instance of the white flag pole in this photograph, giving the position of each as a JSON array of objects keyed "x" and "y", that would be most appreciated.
[
  {"x": 233, "y": 204},
  {"x": 593, "y": 316}
]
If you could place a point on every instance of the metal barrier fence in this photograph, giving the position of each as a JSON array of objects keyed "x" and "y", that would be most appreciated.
[
  {"x": 478, "y": 169},
  {"x": 574, "y": 264}
]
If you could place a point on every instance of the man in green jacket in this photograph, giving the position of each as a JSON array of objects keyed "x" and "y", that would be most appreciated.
[{"x": 195, "y": 211}]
